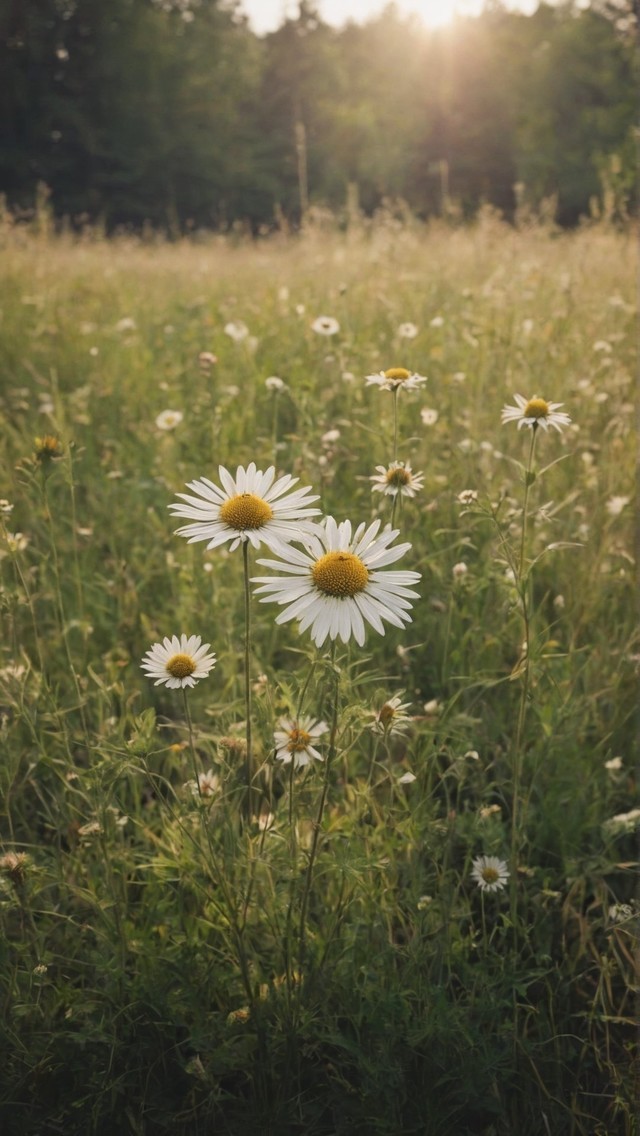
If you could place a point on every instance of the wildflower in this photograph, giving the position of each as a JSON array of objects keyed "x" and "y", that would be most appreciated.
[
  {"x": 15, "y": 865},
  {"x": 48, "y": 448},
  {"x": 336, "y": 584},
  {"x": 395, "y": 378},
  {"x": 467, "y": 497},
  {"x": 397, "y": 479},
  {"x": 620, "y": 912},
  {"x": 325, "y": 325},
  {"x": 472, "y": 754},
  {"x": 429, "y": 416},
  {"x": 392, "y": 717},
  {"x": 407, "y": 778},
  {"x": 615, "y": 505},
  {"x": 6, "y": 508},
  {"x": 236, "y": 330},
  {"x": 614, "y": 764},
  {"x": 488, "y": 811},
  {"x": 437, "y": 321},
  {"x": 534, "y": 412},
  {"x": 623, "y": 822},
  {"x": 40, "y": 970},
  {"x": 16, "y": 542},
  {"x": 559, "y": 602},
  {"x": 407, "y": 331},
  {"x": 602, "y": 345},
  {"x": 330, "y": 437},
  {"x": 458, "y": 376},
  {"x": 178, "y": 662},
  {"x": 206, "y": 360},
  {"x": 490, "y": 873},
  {"x": 294, "y": 741},
  {"x": 207, "y": 785},
  {"x": 424, "y": 902},
  {"x": 273, "y": 383},
  {"x": 251, "y": 506},
  {"x": 348, "y": 377},
  {"x": 126, "y": 324},
  {"x": 459, "y": 570},
  {"x": 432, "y": 708},
  {"x": 169, "y": 419}
]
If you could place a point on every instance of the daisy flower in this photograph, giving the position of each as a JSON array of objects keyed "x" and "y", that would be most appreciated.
[
  {"x": 169, "y": 419},
  {"x": 207, "y": 785},
  {"x": 275, "y": 384},
  {"x": 395, "y": 378},
  {"x": 325, "y": 325},
  {"x": 178, "y": 662},
  {"x": 392, "y": 718},
  {"x": 294, "y": 741},
  {"x": 534, "y": 412},
  {"x": 236, "y": 330},
  {"x": 407, "y": 331},
  {"x": 251, "y": 506},
  {"x": 336, "y": 584},
  {"x": 490, "y": 873},
  {"x": 396, "y": 479}
]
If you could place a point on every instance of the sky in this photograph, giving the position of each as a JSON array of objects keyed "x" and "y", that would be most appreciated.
[{"x": 267, "y": 15}]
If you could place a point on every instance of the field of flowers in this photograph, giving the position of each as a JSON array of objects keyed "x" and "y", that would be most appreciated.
[{"x": 318, "y": 683}]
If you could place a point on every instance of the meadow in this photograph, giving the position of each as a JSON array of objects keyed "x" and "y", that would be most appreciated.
[{"x": 336, "y": 886}]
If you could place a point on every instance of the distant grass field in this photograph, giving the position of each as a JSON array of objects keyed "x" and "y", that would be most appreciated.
[{"x": 316, "y": 954}]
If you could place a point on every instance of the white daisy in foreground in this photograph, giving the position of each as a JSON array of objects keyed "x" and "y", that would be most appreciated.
[
  {"x": 407, "y": 331},
  {"x": 336, "y": 584},
  {"x": 294, "y": 741},
  {"x": 397, "y": 479},
  {"x": 178, "y": 662},
  {"x": 169, "y": 419},
  {"x": 534, "y": 412},
  {"x": 490, "y": 873},
  {"x": 392, "y": 718},
  {"x": 325, "y": 325},
  {"x": 251, "y": 506},
  {"x": 396, "y": 378}
]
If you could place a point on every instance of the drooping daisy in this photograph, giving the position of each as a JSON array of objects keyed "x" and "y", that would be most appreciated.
[
  {"x": 490, "y": 873},
  {"x": 294, "y": 741},
  {"x": 396, "y": 378},
  {"x": 392, "y": 717},
  {"x": 169, "y": 419},
  {"x": 396, "y": 479},
  {"x": 534, "y": 412},
  {"x": 325, "y": 325},
  {"x": 336, "y": 584},
  {"x": 178, "y": 662},
  {"x": 251, "y": 506}
]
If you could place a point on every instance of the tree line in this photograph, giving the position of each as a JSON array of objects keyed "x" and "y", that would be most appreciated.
[{"x": 174, "y": 113}]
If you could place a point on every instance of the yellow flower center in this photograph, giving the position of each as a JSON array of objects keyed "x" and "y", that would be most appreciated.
[
  {"x": 398, "y": 476},
  {"x": 179, "y": 666},
  {"x": 298, "y": 741},
  {"x": 397, "y": 374},
  {"x": 536, "y": 408},
  {"x": 340, "y": 574},
  {"x": 245, "y": 511},
  {"x": 490, "y": 875}
]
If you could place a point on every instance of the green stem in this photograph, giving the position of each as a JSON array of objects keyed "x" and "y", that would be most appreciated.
[
  {"x": 318, "y": 821},
  {"x": 527, "y": 484},
  {"x": 247, "y": 670},
  {"x": 395, "y": 424}
]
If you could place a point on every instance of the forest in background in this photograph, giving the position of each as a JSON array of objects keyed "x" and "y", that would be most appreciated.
[{"x": 173, "y": 113}]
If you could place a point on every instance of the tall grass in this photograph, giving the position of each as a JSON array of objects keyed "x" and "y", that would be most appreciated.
[{"x": 323, "y": 962}]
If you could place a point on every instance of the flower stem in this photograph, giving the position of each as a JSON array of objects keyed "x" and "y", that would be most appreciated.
[
  {"x": 527, "y": 484},
  {"x": 395, "y": 425},
  {"x": 247, "y": 671},
  {"x": 318, "y": 821}
]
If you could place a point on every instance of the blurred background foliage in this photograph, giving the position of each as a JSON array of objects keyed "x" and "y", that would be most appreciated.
[{"x": 174, "y": 113}]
